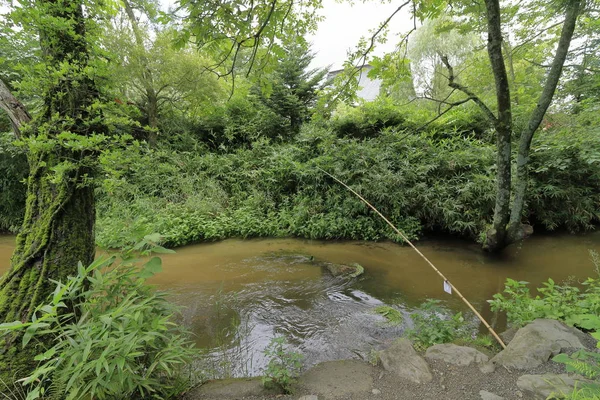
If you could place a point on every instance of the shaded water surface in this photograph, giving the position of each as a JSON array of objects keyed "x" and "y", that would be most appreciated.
[{"x": 238, "y": 294}]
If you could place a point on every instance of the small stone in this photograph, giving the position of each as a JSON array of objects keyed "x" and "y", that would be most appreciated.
[
  {"x": 443, "y": 387},
  {"x": 309, "y": 397},
  {"x": 487, "y": 368},
  {"x": 376, "y": 391},
  {"x": 485, "y": 395}
]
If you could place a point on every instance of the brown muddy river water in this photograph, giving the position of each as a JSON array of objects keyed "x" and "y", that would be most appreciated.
[{"x": 238, "y": 294}]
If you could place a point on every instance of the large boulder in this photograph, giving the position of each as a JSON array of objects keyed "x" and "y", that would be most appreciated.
[
  {"x": 402, "y": 360},
  {"x": 456, "y": 355},
  {"x": 542, "y": 386},
  {"x": 537, "y": 342}
]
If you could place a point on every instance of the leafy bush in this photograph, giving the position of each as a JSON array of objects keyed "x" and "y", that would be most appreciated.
[
  {"x": 108, "y": 335},
  {"x": 565, "y": 180},
  {"x": 568, "y": 303},
  {"x": 576, "y": 305},
  {"x": 432, "y": 325},
  {"x": 367, "y": 120},
  {"x": 283, "y": 367},
  {"x": 422, "y": 182}
]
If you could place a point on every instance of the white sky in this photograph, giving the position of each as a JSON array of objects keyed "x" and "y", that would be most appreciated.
[{"x": 343, "y": 26}]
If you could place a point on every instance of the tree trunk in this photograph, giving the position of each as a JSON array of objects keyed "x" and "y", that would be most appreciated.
[
  {"x": 58, "y": 227},
  {"x": 516, "y": 230},
  {"x": 17, "y": 113},
  {"x": 496, "y": 236}
]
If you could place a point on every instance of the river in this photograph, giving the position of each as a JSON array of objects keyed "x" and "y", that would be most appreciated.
[{"x": 238, "y": 294}]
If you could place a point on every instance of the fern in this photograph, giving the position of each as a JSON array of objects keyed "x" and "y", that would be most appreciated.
[{"x": 582, "y": 362}]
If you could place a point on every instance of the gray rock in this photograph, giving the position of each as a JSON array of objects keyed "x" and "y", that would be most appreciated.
[
  {"x": 309, "y": 397},
  {"x": 376, "y": 391},
  {"x": 536, "y": 343},
  {"x": 487, "y": 368},
  {"x": 402, "y": 360},
  {"x": 455, "y": 355},
  {"x": 508, "y": 335},
  {"x": 234, "y": 388},
  {"x": 351, "y": 271},
  {"x": 542, "y": 386},
  {"x": 485, "y": 395},
  {"x": 329, "y": 380}
]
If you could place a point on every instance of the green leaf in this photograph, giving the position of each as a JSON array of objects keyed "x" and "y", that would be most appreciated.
[
  {"x": 46, "y": 356},
  {"x": 11, "y": 326},
  {"x": 151, "y": 268}
]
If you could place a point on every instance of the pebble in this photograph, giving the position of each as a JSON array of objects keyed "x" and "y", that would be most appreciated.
[{"x": 376, "y": 391}]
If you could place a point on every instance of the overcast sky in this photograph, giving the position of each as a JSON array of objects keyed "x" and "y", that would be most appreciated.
[{"x": 343, "y": 26}]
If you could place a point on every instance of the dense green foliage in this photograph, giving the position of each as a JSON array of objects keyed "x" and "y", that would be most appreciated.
[
  {"x": 430, "y": 180},
  {"x": 106, "y": 334},
  {"x": 433, "y": 180}
]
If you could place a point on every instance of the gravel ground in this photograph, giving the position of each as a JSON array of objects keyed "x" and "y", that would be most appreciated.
[{"x": 356, "y": 380}]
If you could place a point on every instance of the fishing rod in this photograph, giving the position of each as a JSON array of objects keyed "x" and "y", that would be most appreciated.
[{"x": 403, "y": 236}]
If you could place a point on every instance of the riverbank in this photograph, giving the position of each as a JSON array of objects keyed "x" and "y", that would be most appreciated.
[{"x": 524, "y": 370}]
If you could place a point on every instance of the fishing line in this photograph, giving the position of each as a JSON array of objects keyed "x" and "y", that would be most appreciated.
[{"x": 403, "y": 236}]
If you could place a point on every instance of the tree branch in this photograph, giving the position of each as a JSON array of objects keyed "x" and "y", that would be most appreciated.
[
  {"x": 17, "y": 113},
  {"x": 472, "y": 96}
]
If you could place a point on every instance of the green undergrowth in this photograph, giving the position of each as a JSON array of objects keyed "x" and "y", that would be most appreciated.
[
  {"x": 572, "y": 302},
  {"x": 421, "y": 182},
  {"x": 104, "y": 334}
]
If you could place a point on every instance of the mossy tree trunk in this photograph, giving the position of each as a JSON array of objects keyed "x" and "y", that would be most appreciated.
[{"x": 58, "y": 227}]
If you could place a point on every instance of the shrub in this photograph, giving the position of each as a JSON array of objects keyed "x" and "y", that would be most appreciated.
[
  {"x": 574, "y": 305},
  {"x": 108, "y": 335},
  {"x": 366, "y": 120},
  {"x": 432, "y": 325},
  {"x": 421, "y": 182},
  {"x": 283, "y": 367}
]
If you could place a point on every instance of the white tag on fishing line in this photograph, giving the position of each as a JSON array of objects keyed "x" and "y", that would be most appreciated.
[{"x": 447, "y": 287}]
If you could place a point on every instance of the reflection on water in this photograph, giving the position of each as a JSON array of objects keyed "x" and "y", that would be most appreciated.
[{"x": 240, "y": 293}]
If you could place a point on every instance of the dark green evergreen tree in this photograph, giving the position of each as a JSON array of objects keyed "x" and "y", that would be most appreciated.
[{"x": 294, "y": 88}]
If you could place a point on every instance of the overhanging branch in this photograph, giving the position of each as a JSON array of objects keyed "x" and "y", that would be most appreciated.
[{"x": 471, "y": 95}]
